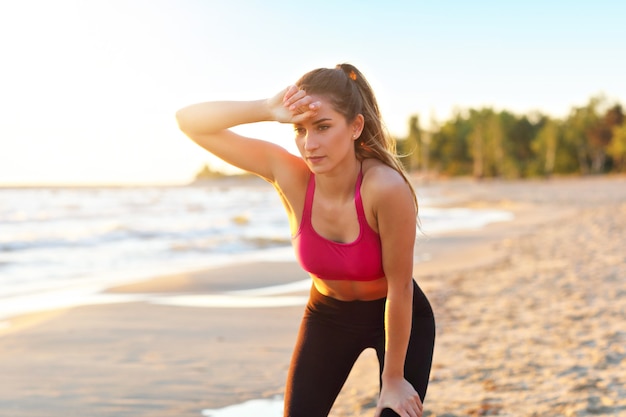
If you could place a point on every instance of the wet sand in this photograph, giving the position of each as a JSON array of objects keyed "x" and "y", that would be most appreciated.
[{"x": 530, "y": 322}]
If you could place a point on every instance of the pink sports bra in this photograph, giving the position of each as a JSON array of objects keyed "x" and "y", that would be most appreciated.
[{"x": 360, "y": 260}]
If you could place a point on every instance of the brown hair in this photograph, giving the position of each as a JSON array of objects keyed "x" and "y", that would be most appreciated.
[{"x": 351, "y": 95}]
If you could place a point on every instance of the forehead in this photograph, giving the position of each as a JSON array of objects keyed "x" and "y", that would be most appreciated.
[{"x": 326, "y": 109}]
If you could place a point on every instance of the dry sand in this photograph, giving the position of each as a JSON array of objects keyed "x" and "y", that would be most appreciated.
[
  {"x": 540, "y": 329},
  {"x": 530, "y": 322}
]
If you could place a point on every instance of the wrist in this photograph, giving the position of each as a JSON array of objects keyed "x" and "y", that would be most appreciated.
[
  {"x": 391, "y": 375},
  {"x": 265, "y": 110}
]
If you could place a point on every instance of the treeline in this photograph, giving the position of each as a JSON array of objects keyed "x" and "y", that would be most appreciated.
[
  {"x": 488, "y": 143},
  {"x": 207, "y": 173}
]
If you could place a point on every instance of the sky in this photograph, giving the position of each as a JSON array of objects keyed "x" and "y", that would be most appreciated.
[{"x": 89, "y": 89}]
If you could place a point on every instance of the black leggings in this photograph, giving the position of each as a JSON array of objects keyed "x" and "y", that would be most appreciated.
[{"x": 334, "y": 333}]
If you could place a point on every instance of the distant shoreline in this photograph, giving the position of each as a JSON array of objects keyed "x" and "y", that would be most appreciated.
[
  {"x": 227, "y": 180},
  {"x": 417, "y": 178}
]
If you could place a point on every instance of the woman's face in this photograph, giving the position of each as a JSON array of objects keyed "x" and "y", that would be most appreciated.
[{"x": 327, "y": 139}]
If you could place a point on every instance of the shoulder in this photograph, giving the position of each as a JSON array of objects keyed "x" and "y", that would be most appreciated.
[
  {"x": 291, "y": 169},
  {"x": 290, "y": 181},
  {"x": 388, "y": 199},
  {"x": 382, "y": 183}
]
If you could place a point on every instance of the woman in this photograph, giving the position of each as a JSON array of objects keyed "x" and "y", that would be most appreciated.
[{"x": 353, "y": 215}]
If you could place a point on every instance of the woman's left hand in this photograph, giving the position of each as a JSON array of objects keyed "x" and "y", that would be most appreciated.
[{"x": 399, "y": 395}]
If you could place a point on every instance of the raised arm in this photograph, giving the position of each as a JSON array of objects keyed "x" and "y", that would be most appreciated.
[{"x": 207, "y": 124}]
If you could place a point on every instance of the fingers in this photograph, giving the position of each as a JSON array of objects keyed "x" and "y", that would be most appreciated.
[
  {"x": 292, "y": 95},
  {"x": 417, "y": 405},
  {"x": 400, "y": 412},
  {"x": 298, "y": 102},
  {"x": 416, "y": 410},
  {"x": 290, "y": 91},
  {"x": 302, "y": 117},
  {"x": 411, "y": 408}
]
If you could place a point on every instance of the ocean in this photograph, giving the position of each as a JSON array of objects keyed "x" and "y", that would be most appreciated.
[{"x": 62, "y": 246}]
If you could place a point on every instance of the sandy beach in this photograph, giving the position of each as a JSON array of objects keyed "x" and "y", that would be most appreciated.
[{"x": 530, "y": 322}]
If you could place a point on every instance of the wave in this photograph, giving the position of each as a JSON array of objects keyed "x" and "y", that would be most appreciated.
[
  {"x": 58, "y": 238},
  {"x": 120, "y": 233}
]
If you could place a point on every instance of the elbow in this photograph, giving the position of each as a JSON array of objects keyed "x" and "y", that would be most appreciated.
[
  {"x": 183, "y": 121},
  {"x": 192, "y": 122}
]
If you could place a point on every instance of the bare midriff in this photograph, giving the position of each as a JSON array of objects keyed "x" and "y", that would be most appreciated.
[{"x": 345, "y": 290}]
